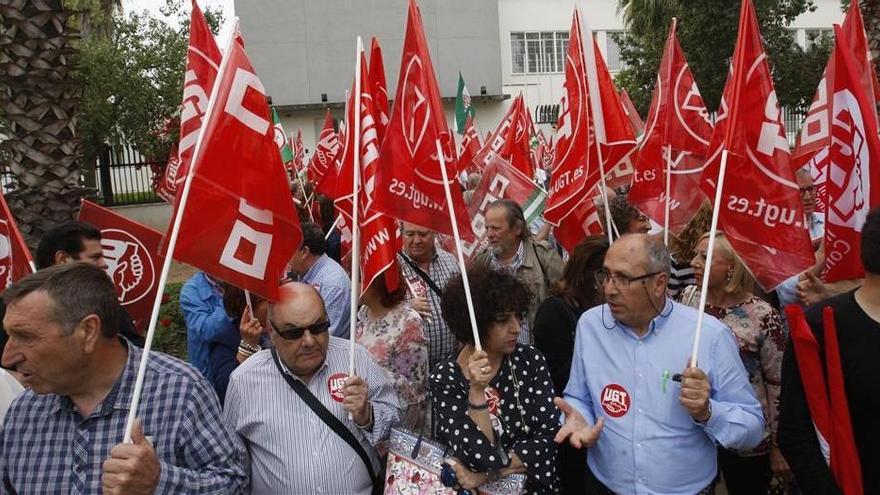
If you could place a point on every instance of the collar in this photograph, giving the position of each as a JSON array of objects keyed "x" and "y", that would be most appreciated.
[
  {"x": 119, "y": 397},
  {"x": 293, "y": 375},
  {"x": 319, "y": 263},
  {"x": 514, "y": 263},
  {"x": 654, "y": 326}
]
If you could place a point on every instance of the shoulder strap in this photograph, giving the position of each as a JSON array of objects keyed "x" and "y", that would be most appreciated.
[
  {"x": 540, "y": 265},
  {"x": 326, "y": 416},
  {"x": 421, "y": 273}
]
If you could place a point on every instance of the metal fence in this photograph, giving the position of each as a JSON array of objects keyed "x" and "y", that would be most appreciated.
[{"x": 125, "y": 177}]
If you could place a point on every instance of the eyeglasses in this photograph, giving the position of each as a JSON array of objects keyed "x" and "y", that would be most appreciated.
[
  {"x": 809, "y": 189},
  {"x": 620, "y": 281},
  {"x": 294, "y": 333}
]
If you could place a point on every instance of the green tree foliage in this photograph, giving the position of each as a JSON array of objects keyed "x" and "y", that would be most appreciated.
[
  {"x": 132, "y": 77},
  {"x": 707, "y": 32}
]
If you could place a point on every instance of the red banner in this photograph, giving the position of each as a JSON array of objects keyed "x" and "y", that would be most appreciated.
[
  {"x": 239, "y": 223},
  {"x": 131, "y": 252},
  {"x": 470, "y": 145},
  {"x": 323, "y": 160},
  {"x": 409, "y": 181},
  {"x": 631, "y": 113},
  {"x": 679, "y": 130},
  {"x": 378, "y": 89},
  {"x": 15, "y": 257},
  {"x": 760, "y": 210},
  {"x": 517, "y": 139},
  {"x": 853, "y": 165},
  {"x": 583, "y": 221}
]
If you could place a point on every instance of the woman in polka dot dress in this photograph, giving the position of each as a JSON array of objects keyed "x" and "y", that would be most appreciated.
[{"x": 494, "y": 407}]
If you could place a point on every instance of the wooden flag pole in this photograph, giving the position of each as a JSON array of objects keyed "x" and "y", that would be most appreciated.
[
  {"x": 355, "y": 204},
  {"x": 704, "y": 287},
  {"x": 461, "y": 265},
  {"x": 172, "y": 239}
]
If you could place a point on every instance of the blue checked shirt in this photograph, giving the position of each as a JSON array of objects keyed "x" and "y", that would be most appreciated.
[
  {"x": 650, "y": 444},
  {"x": 334, "y": 286},
  {"x": 46, "y": 446}
]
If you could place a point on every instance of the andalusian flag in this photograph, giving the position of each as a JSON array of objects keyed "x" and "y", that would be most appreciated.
[
  {"x": 463, "y": 107},
  {"x": 281, "y": 139}
]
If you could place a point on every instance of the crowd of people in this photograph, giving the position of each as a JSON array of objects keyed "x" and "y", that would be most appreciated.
[{"x": 578, "y": 375}]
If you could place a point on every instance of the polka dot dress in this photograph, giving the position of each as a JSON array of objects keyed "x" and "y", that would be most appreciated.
[{"x": 528, "y": 425}]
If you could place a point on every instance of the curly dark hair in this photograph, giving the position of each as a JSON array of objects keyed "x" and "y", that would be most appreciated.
[{"x": 495, "y": 295}]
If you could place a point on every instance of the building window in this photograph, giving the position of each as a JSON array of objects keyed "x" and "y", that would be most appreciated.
[
  {"x": 612, "y": 50},
  {"x": 538, "y": 52},
  {"x": 813, "y": 37}
]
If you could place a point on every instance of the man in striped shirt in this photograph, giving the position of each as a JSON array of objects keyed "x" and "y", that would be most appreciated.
[{"x": 292, "y": 449}]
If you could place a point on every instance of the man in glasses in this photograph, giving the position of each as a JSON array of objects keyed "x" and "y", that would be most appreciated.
[
  {"x": 309, "y": 427},
  {"x": 651, "y": 421}
]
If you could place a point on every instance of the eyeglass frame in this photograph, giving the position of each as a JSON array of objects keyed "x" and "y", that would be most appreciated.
[
  {"x": 296, "y": 333},
  {"x": 603, "y": 275},
  {"x": 808, "y": 189}
]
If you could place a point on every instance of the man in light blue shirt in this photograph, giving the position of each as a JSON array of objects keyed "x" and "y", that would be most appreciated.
[
  {"x": 311, "y": 265},
  {"x": 201, "y": 302},
  {"x": 647, "y": 432}
]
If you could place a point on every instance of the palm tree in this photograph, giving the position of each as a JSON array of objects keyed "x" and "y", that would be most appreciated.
[
  {"x": 871, "y": 15},
  {"x": 645, "y": 16},
  {"x": 38, "y": 99}
]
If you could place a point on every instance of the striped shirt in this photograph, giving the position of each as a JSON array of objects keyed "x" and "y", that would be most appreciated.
[
  {"x": 681, "y": 276},
  {"x": 441, "y": 340},
  {"x": 332, "y": 283},
  {"x": 47, "y": 447},
  {"x": 291, "y": 449}
]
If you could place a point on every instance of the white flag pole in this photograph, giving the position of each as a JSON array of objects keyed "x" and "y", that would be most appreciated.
[
  {"x": 458, "y": 249},
  {"x": 355, "y": 203},
  {"x": 172, "y": 239},
  {"x": 668, "y": 156},
  {"x": 596, "y": 112},
  {"x": 704, "y": 287},
  {"x": 335, "y": 222},
  {"x": 247, "y": 298}
]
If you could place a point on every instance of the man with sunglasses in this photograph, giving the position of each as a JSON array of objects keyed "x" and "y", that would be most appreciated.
[
  {"x": 308, "y": 426},
  {"x": 652, "y": 421}
]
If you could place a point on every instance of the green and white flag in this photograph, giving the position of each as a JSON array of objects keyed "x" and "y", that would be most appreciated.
[
  {"x": 463, "y": 106},
  {"x": 281, "y": 139}
]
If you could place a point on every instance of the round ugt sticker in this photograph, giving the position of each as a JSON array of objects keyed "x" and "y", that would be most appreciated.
[
  {"x": 615, "y": 400},
  {"x": 335, "y": 384}
]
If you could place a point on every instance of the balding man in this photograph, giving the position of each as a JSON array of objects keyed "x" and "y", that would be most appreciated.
[
  {"x": 659, "y": 435},
  {"x": 309, "y": 428}
]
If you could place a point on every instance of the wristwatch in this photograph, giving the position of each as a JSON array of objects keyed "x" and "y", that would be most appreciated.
[{"x": 707, "y": 417}]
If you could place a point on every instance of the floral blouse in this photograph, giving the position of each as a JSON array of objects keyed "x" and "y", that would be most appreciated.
[
  {"x": 520, "y": 399},
  {"x": 760, "y": 336},
  {"x": 398, "y": 344}
]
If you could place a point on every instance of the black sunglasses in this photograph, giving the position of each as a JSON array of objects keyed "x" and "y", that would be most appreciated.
[{"x": 294, "y": 333}]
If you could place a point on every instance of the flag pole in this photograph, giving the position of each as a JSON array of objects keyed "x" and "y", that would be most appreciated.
[
  {"x": 666, "y": 204},
  {"x": 172, "y": 239},
  {"x": 355, "y": 206},
  {"x": 330, "y": 231},
  {"x": 461, "y": 265},
  {"x": 704, "y": 286}
]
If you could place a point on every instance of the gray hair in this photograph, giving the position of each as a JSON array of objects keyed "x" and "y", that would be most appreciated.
[
  {"x": 77, "y": 290},
  {"x": 658, "y": 256}
]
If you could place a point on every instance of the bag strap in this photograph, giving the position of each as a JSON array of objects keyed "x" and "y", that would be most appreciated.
[
  {"x": 421, "y": 273},
  {"x": 329, "y": 419},
  {"x": 540, "y": 265}
]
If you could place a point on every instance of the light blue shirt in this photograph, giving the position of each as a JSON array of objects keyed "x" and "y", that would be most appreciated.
[
  {"x": 650, "y": 444},
  {"x": 202, "y": 306},
  {"x": 334, "y": 286},
  {"x": 787, "y": 290}
]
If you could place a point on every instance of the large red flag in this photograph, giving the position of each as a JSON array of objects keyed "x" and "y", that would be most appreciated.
[
  {"x": 584, "y": 220},
  {"x": 133, "y": 260},
  {"x": 202, "y": 60},
  {"x": 811, "y": 147},
  {"x": 570, "y": 179},
  {"x": 378, "y": 236},
  {"x": 496, "y": 141},
  {"x": 323, "y": 161},
  {"x": 470, "y": 145},
  {"x": 620, "y": 139},
  {"x": 679, "y": 130},
  {"x": 239, "y": 222},
  {"x": 15, "y": 257},
  {"x": 853, "y": 165},
  {"x": 631, "y": 113},
  {"x": 409, "y": 182},
  {"x": 379, "y": 89},
  {"x": 517, "y": 139},
  {"x": 826, "y": 399},
  {"x": 760, "y": 210}
]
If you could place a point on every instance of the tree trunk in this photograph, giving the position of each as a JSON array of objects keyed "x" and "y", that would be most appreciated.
[{"x": 39, "y": 97}]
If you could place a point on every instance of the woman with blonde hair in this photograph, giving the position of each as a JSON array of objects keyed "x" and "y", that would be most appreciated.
[{"x": 760, "y": 337}]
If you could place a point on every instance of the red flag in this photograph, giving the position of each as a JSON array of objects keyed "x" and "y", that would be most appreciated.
[
  {"x": 496, "y": 141},
  {"x": 853, "y": 165},
  {"x": 679, "y": 130},
  {"x": 584, "y": 220},
  {"x": 570, "y": 177},
  {"x": 239, "y": 222},
  {"x": 811, "y": 147},
  {"x": 517, "y": 139},
  {"x": 131, "y": 252},
  {"x": 15, "y": 257},
  {"x": 631, "y": 113},
  {"x": 760, "y": 210},
  {"x": 409, "y": 182},
  {"x": 500, "y": 180},
  {"x": 620, "y": 139},
  {"x": 470, "y": 145},
  {"x": 826, "y": 400},
  {"x": 379, "y": 240},
  {"x": 202, "y": 60},
  {"x": 378, "y": 90},
  {"x": 324, "y": 157},
  {"x": 299, "y": 152}
]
